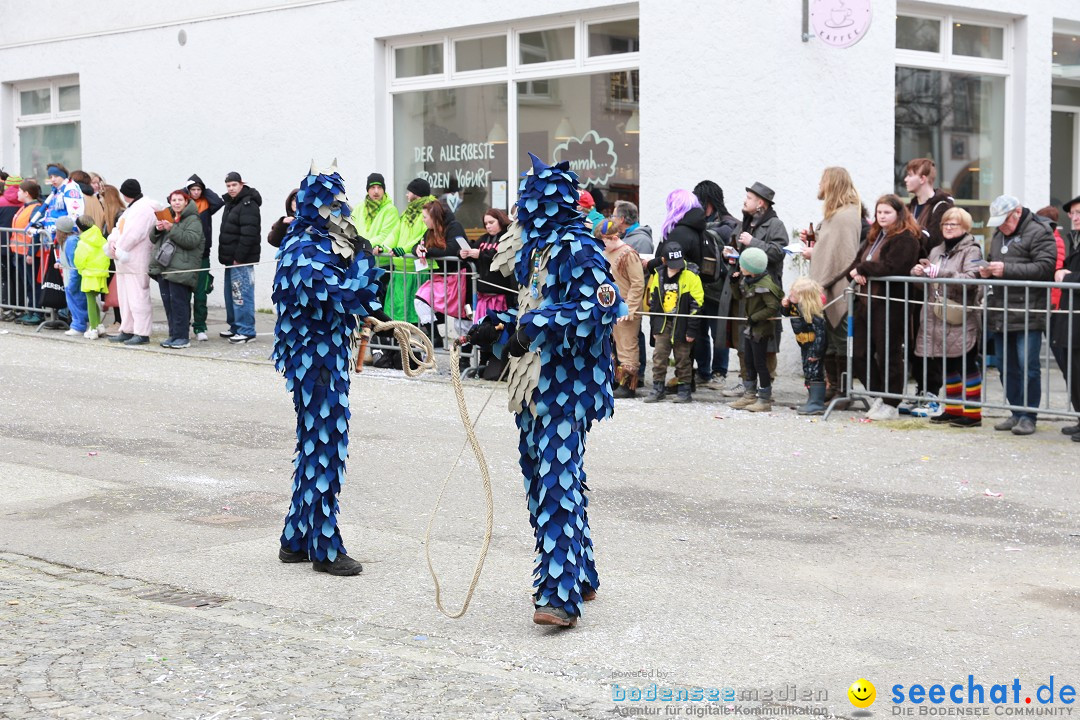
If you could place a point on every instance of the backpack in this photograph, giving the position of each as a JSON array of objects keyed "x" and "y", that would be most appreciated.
[{"x": 712, "y": 268}]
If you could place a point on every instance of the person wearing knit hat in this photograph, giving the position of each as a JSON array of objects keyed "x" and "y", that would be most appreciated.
[
  {"x": 376, "y": 219},
  {"x": 587, "y": 205},
  {"x": 10, "y": 197},
  {"x": 65, "y": 199},
  {"x": 406, "y": 236},
  {"x": 761, "y": 297},
  {"x": 130, "y": 244}
]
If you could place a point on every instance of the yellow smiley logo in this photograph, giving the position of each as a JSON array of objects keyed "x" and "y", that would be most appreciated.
[{"x": 862, "y": 693}]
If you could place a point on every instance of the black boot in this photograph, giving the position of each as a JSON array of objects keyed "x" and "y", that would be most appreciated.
[
  {"x": 286, "y": 555},
  {"x": 658, "y": 393},
  {"x": 684, "y": 394},
  {"x": 343, "y": 566}
]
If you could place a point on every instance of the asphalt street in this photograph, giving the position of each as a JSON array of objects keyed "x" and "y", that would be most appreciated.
[{"x": 740, "y": 551}]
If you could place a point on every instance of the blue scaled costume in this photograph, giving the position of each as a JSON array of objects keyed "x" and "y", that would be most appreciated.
[
  {"x": 325, "y": 277},
  {"x": 560, "y": 382}
]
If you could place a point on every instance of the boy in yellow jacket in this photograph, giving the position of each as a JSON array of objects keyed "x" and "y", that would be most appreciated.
[{"x": 673, "y": 298}]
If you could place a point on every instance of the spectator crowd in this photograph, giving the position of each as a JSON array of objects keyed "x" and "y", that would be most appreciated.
[{"x": 710, "y": 281}]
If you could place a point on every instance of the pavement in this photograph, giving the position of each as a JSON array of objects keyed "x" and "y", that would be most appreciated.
[{"x": 142, "y": 493}]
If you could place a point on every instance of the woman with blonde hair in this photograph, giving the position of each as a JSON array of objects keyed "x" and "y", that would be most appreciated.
[
  {"x": 950, "y": 327},
  {"x": 830, "y": 249}
]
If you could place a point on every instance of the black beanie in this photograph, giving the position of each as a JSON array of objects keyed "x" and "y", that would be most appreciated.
[
  {"x": 419, "y": 186},
  {"x": 375, "y": 179},
  {"x": 234, "y": 177},
  {"x": 131, "y": 188}
]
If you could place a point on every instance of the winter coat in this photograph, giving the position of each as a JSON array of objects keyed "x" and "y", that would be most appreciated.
[
  {"x": 91, "y": 261},
  {"x": 280, "y": 227},
  {"x": 379, "y": 228},
  {"x": 687, "y": 301},
  {"x": 64, "y": 200},
  {"x": 488, "y": 281},
  {"x": 19, "y": 242},
  {"x": 129, "y": 243},
  {"x": 934, "y": 332},
  {"x": 450, "y": 253},
  {"x": 207, "y": 205},
  {"x": 929, "y": 218},
  {"x": 771, "y": 236},
  {"x": 761, "y": 303},
  {"x": 896, "y": 255},
  {"x": 187, "y": 235},
  {"x": 403, "y": 281},
  {"x": 1029, "y": 254},
  {"x": 1063, "y": 321},
  {"x": 640, "y": 238},
  {"x": 629, "y": 276},
  {"x": 10, "y": 198},
  {"x": 240, "y": 237},
  {"x": 727, "y": 228},
  {"x": 687, "y": 233},
  {"x": 836, "y": 246}
]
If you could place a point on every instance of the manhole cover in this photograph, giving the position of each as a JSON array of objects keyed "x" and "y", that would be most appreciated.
[{"x": 183, "y": 598}]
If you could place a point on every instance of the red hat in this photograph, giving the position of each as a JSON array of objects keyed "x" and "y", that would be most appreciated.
[{"x": 585, "y": 199}]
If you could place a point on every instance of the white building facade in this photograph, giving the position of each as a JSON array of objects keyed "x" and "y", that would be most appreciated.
[{"x": 642, "y": 97}]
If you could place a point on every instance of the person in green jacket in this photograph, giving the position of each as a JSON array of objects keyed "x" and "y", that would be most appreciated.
[
  {"x": 185, "y": 234},
  {"x": 410, "y": 231},
  {"x": 376, "y": 219},
  {"x": 93, "y": 266}
]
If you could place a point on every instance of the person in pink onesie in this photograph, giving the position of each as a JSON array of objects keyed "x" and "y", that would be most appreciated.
[{"x": 130, "y": 245}]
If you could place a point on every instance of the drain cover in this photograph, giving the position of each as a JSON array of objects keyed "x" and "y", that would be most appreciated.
[{"x": 182, "y": 598}]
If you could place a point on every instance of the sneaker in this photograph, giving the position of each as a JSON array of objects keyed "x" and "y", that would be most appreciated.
[
  {"x": 29, "y": 318},
  {"x": 238, "y": 339},
  {"x": 180, "y": 344},
  {"x": 623, "y": 393},
  {"x": 8, "y": 316},
  {"x": 91, "y": 334},
  {"x": 907, "y": 407},
  {"x": 72, "y": 332},
  {"x": 874, "y": 407},
  {"x": 736, "y": 390},
  {"x": 885, "y": 412},
  {"x": 705, "y": 382},
  {"x": 1007, "y": 424},
  {"x": 1024, "y": 426},
  {"x": 930, "y": 408},
  {"x": 137, "y": 340},
  {"x": 121, "y": 337},
  {"x": 201, "y": 337},
  {"x": 226, "y": 334}
]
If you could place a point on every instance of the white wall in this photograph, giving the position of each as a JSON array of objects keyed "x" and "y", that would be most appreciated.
[{"x": 730, "y": 92}]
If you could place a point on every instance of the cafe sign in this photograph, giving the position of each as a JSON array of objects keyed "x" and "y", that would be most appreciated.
[
  {"x": 592, "y": 157},
  {"x": 840, "y": 23}
]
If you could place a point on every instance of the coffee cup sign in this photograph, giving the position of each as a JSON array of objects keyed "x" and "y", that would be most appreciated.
[
  {"x": 592, "y": 157},
  {"x": 840, "y": 23}
]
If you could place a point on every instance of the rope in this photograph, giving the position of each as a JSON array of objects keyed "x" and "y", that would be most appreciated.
[
  {"x": 470, "y": 441},
  {"x": 406, "y": 333}
]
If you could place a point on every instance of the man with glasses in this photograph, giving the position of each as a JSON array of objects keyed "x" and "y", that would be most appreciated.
[{"x": 1065, "y": 325}]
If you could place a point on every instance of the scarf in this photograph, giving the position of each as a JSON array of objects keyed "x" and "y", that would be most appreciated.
[
  {"x": 371, "y": 208},
  {"x": 412, "y": 211}
]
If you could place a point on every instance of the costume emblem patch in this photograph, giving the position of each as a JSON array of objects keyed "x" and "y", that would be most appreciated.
[{"x": 605, "y": 295}]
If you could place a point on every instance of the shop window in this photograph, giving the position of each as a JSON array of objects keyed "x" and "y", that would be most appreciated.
[
  {"x": 978, "y": 41},
  {"x": 614, "y": 38},
  {"x": 450, "y": 137},
  {"x": 47, "y": 126},
  {"x": 480, "y": 53},
  {"x": 1066, "y": 63},
  {"x": 919, "y": 34},
  {"x": 958, "y": 119},
  {"x": 546, "y": 46},
  {"x": 587, "y": 122},
  {"x": 418, "y": 60}
]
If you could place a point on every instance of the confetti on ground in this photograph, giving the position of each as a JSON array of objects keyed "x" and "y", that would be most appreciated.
[
  {"x": 990, "y": 493},
  {"x": 91, "y": 454}
]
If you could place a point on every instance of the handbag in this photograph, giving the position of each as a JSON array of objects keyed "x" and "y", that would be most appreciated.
[
  {"x": 112, "y": 300},
  {"x": 52, "y": 286},
  {"x": 952, "y": 314},
  {"x": 165, "y": 252}
]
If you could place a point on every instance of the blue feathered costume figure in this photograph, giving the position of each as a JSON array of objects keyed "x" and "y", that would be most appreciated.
[
  {"x": 560, "y": 376},
  {"x": 326, "y": 277}
]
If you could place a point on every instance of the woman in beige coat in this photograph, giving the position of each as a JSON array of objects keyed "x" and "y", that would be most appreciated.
[
  {"x": 948, "y": 335},
  {"x": 836, "y": 242}
]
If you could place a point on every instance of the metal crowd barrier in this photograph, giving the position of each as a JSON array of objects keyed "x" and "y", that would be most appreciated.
[
  {"x": 897, "y": 303},
  {"x": 416, "y": 291},
  {"x": 21, "y": 261}
]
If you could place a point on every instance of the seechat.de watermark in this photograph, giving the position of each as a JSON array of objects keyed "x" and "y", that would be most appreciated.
[{"x": 1052, "y": 697}]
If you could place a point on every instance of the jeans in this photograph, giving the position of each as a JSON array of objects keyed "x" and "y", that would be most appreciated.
[
  {"x": 710, "y": 353},
  {"x": 177, "y": 301},
  {"x": 240, "y": 300},
  {"x": 1021, "y": 368}
]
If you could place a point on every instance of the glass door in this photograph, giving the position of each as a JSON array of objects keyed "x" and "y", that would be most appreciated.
[{"x": 1064, "y": 145}]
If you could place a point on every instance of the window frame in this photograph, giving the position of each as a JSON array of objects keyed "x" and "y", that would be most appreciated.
[
  {"x": 53, "y": 117},
  {"x": 513, "y": 73},
  {"x": 946, "y": 61}
]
